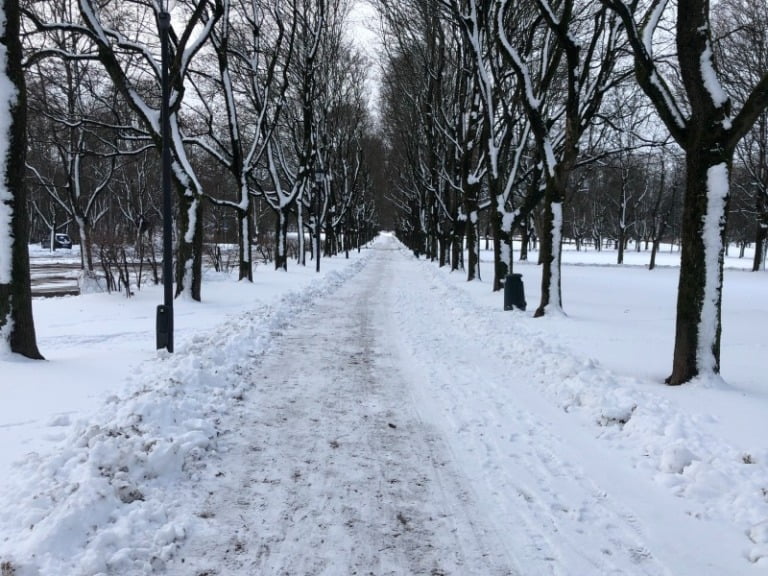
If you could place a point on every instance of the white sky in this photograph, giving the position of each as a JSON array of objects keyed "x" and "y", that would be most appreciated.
[{"x": 363, "y": 30}]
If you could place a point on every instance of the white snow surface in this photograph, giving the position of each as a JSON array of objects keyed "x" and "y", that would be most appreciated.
[{"x": 387, "y": 417}]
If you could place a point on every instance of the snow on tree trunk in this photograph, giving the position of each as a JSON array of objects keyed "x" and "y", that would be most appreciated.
[
  {"x": 87, "y": 280},
  {"x": 501, "y": 238},
  {"x": 86, "y": 251},
  {"x": 698, "y": 326},
  {"x": 708, "y": 360},
  {"x": 551, "y": 249},
  {"x": 17, "y": 329},
  {"x": 470, "y": 211},
  {"x": 190, "y": 246},
  {"x": 281, "y": 240},
  {"x": 243, "y": 210}
]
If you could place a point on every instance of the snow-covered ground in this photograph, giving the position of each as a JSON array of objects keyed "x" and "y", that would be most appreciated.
[{"x": 387, "y": 417}]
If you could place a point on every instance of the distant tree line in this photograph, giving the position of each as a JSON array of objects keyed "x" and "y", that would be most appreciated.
[
  {"x": 612, "y": 121},
  {"x": 269, "y": 122},
  {"x": 270, "y": 137}
]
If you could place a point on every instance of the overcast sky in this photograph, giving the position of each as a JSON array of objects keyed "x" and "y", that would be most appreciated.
[{"x": 363, "y": 30}]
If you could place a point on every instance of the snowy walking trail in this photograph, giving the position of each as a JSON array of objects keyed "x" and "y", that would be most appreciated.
[
  {"x": 386, "y": 424},
  {"x": 331, "y": 469}
]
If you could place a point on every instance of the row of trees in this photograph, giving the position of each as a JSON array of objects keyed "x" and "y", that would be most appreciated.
[
  {"x": 263, "y": 96},
  {"x": 508, "y": 112},
  {"x": 269, "y": 126},
  {"x": 561, "y": 111}
]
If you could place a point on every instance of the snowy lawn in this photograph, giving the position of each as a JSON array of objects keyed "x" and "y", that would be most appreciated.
[{"x": 566, "y": 441}]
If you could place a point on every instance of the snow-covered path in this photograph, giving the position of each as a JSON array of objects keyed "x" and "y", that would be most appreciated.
[
  {"x": 359, "y": 450},
  {"x": 329, "y": 467},
  {"x": 384, "y": 417}
]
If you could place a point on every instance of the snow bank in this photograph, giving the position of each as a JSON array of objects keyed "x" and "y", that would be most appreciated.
[
  {"x": 678, "y": 440},
  {"x": 110, "y": 498}
]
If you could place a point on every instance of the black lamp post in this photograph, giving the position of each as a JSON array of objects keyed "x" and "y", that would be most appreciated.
[
  {"x": 164, "y": 323},
  {"x": 319, "y": 180}
]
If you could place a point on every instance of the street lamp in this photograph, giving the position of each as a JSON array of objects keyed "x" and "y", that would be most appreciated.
[
  {"x": 164, "y": 322},
  {"x": 319, "y": 180}
]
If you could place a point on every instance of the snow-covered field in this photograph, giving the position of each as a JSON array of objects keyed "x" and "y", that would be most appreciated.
[{"x": 387, "y": 417}]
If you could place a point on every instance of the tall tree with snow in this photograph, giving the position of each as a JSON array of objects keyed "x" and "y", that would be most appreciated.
[
  {"x": 17, "y": 328},
  {"x": 502, "y": 148},
  {"x": 291, "y": 153},
  {"x": 116, "y": 32},
  {"x": 578, "y": 48},
  {"x": 253, "y": 45},
  {"x": 701, "y": 119}
]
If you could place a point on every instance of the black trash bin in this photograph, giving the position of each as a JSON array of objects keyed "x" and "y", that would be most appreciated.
[
  {"x": 514, "y": 292},
  {"x": 164, "y": 328}
]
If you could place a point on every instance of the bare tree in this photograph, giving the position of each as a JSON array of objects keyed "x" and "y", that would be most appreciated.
[
  {"x": 17, "y": 327},
  {"x": 424, "y": 89},
  {"x": 115, "y": 34},
  {"x": 291, "y": 153},
  {"x": 79, "y": 156},
  {"x": 253, "y": 45},
  {"x": 505, "y": 130},
  {"x": 660, "y": 214},
  {"x": 345, "y": 122},
  {"x": 583, "y": 39},
  {"x": 701, "y": 120}
]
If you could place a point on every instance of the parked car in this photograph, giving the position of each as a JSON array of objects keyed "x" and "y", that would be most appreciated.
[{"x": 60, "y": 240}]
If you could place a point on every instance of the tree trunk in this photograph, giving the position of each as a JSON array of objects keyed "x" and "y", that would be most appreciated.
[
  {"x": 189, "y": 253},
  {"x": 86, "y": 249},
  {"x": 525, "y": 238},
  {"x": 17, "y": 326},
  {"x": 500, "y": 266},
  {"x": 760, "y": 232},
  {"x": 757, "y": 261},
  {"x": 472, "y": 256},
  {"x": 434, "y": 231},
  {"x": 699, "y": 296},
  {"x": 549, "y": 252},
  {"x": 457, "y": 243},
  {"x": 621, "y": 244},
  {"x": 302, "y": 248},
  {"x": 470, "y": 213},
  {"x": 551, "y": 247},
  {"x": 442, "y": 249},
  {"x": 244, "y": 235},
  {"x": 654, "y": 251},
  {"x": 281, "y": 241}
]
